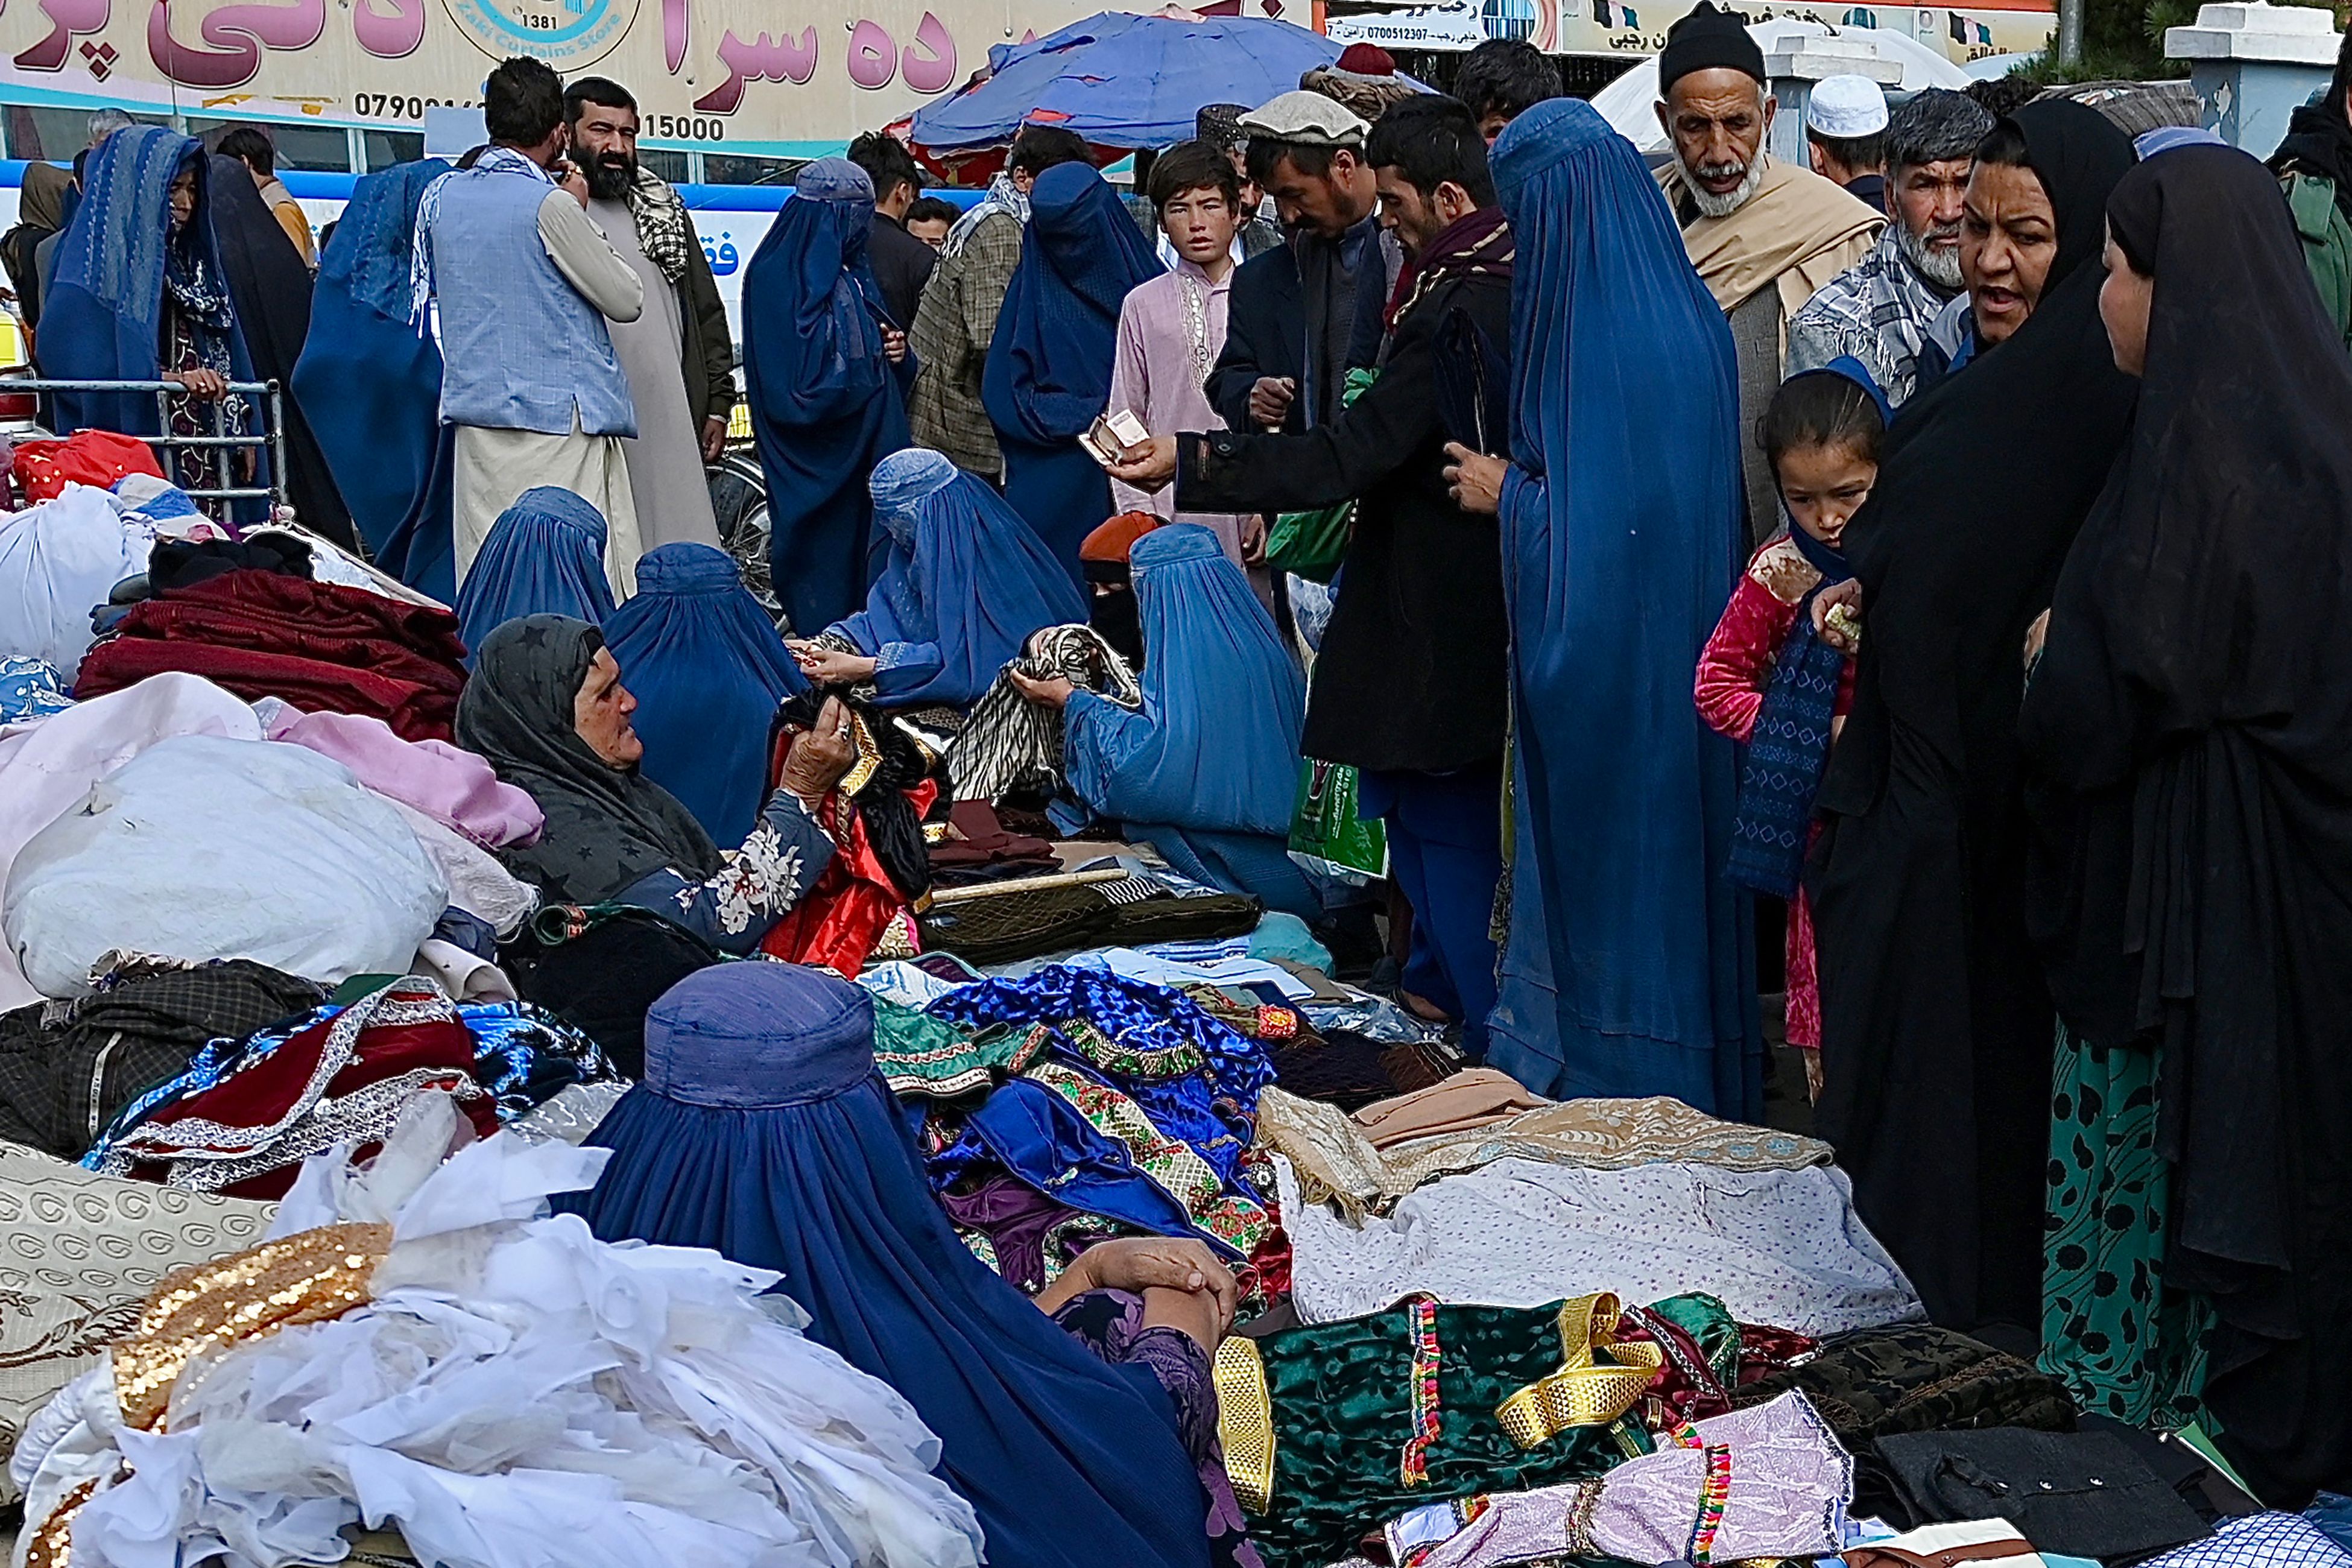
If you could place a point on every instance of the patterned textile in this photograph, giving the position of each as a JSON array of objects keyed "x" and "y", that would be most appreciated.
[
  {"x": 1877, "y": 311},
  {"x": 663, "y": 231},
  {"x": 29, "y": 690},
  {"x": 1110, "y": 1323},
  {"x": 2124, "y": 1346},
  {"x": 525, "y": 1056},
  {"x": 1002, "y": 197},
  {"x": 2259, "y": 1541},
  {"x": 1917, "y": 1378},
  {"x": 83, "y": 1251},
  {"x": 1782, "y": 769},
  {"x": 1012, "y": 743},
  {"x": 1335, "y": 1162},
  {"x": 918, "y": 1055}
]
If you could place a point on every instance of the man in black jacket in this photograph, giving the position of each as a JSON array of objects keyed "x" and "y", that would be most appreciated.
[
  {"x": 902, "y": 264},
  {"x": 1291, "y": 312},
  {"x": 1409, "y": 683}
]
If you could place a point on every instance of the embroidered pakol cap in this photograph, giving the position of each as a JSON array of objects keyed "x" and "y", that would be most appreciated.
[
  {"x": 1845, "y": 106},
  {"x": 759, "y": 1035}
]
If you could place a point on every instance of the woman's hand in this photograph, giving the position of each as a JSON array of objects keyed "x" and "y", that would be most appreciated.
[
  {"x": 1053, "y": 691},
  {"x": 1147, "y": 465},
  {"x": 1842, "y": 631},
  {"x": 1475, "y": 480},
  {"x": 1253, "y": 539},
  {"x": 204, "y": 386},
  {"x": 830, "y": 667},
  {"x": 894, "y": 345},
  {"x": 821, "y": 758},
  {"x": 1140, "y": 1263}
]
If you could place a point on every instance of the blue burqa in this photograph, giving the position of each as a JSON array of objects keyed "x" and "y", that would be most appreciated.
[
  {"x": 1207, "y": 768},
  {"x": 1630, "y": 967},
  {"x": 762, "y": 1130},
  {"x": 707, "y": 670},
  {"x": 102, "y": 316},
  {"x": 826, "y": 403},
  {"x": 544, "y": 557},
  {"x": 1048, "y": 376},
  {"x": 370, "y": 383},
  {"x": 964, "y": 587}
]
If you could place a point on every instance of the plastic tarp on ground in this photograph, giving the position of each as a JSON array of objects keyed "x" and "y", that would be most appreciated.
[
  {"x": 1121, "y": 80},
  {"x": 204, "y": 847}
]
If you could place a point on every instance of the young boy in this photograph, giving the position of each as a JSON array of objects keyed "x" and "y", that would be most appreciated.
[{"x": 1172, "y": 328}]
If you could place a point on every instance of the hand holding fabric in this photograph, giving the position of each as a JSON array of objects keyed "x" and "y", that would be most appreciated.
[
  {"x": 822, "y": 757},
  {"x": 1051, "y": 691}
]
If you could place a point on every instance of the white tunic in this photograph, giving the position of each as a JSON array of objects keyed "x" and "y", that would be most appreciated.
[{"x": 665, "y": 459}]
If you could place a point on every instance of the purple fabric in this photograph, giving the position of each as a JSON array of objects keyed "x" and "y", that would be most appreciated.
[
  {"x": 1017, "y": 1219},
  {"x": 454, "y": 787},
  {"x": 1110, "y": 1323}
]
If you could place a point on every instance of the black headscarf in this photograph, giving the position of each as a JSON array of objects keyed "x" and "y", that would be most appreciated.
[
  {"x": 2191, "y": 720},
  {"x": 607, "y": 828},
  {"x": 1937, "y": 1024},
  {"x": 270, "y": 288}
]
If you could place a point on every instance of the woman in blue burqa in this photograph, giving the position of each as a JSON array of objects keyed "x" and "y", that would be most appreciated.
[
  {"x": 369, "y": 383},
  {"x": 1207, "y": 770},
  {"x": 1048, "y": 376},
  {"x": 1081, "y": 1426},
  {"x": 140, "y": 295},
  {"x": 828, "y": 374},
  {"x": 544, "y": 557},
  {"x": 1630, "y": 968},
  {"x": 965, "y": 585}
]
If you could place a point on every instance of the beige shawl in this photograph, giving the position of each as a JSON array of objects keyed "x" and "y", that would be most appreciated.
[{"x": 1798, "y": 230}]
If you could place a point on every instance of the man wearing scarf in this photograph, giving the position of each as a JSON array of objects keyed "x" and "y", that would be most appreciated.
[
  {"x": 674, "y": 378},
  {"x": 957, "y": 319},
  {"x": 1409, "y": 684},
  {"x": 2315, "y": 166},
  {"x": 1764, "y": 234},
  {"x": 526, "y": 284}
]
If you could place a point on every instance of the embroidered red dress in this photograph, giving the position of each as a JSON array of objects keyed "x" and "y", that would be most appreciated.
[{"x": 1734, "y": 670}]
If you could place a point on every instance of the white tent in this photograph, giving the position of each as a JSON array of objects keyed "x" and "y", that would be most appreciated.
[{"x": 1628, "y": 103}]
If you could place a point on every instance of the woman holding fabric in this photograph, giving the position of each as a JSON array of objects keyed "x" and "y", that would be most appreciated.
[
  {"x": 544, "y": 557},
  {"x": 1082, "y": 1428},
  {"x": 827, "y": 372},
  {"x": 547, "y": 709},
  {"x": 1207, "y": 771},
  {"x": 964, "y": 587},
  {"x": 1630, "y": 965},
  {"x": 1049, "y": 367},
  {"x": 369, "y": 383},
  {"x": 2185, "y": 732},
  {"x": 1935, "y": 1021},
  {"x": 707, "y": 670},
  {"x": 140, "y": 295}
]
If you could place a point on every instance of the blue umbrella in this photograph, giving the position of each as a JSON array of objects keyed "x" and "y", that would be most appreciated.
[{"x": 1121, "y": 80}]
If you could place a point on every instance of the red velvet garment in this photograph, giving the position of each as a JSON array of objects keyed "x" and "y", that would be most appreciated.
[
  {"x": 342, "y": 1079},
  {"x": 319, "y": 645},
  {"x": 98, "y": 457}
]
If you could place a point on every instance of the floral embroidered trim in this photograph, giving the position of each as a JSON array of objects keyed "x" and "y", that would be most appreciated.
[
  {"x": 1232, "y": 1221},
  {"x": 1714, "y": 1493},
  {"x": 1428, "y": 1417},
  {"x": 1130, "y": 1061},
  {"x": 762, "y": 878}
]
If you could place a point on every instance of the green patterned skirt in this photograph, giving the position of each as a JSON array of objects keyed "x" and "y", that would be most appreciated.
[{"x": 2123, "y": 1345}]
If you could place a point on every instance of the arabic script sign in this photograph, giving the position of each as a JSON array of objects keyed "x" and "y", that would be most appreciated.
[{"x": 747, "y": 73}]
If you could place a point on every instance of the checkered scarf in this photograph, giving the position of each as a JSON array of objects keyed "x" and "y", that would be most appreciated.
[{"x": 663, "y": 227}]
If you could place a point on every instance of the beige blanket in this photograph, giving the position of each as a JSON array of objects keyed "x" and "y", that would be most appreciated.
[{"x": 1798, "y": 230}]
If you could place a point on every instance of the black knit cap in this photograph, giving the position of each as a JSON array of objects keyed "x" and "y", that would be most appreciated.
[{"x": 1707, "y": 40}]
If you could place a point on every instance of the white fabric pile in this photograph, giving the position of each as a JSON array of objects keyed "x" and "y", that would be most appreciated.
[
  {"x": 59, "y": 559},
  {"x": 517, "y": 1393}
]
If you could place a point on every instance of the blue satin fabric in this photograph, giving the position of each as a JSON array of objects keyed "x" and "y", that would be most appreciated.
[
  {"x": 370, "y": 383},
  {"x": 1630, "y": 965},
  {"x": 964, "y": 585},
  {"x": 826, "y": 404},
  {"x": 1068, "y": 1463},
  {"x": 707, "y": 670},
  {"x": 1049, "y": 365},
  {"x": 543, "y": 556},
  {"x": 1042, "y": 1139}
]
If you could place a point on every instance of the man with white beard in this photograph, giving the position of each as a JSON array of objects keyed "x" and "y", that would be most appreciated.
[
  {"x": 1879, "y": 309},
  {"x": 1764, "y": 234}
]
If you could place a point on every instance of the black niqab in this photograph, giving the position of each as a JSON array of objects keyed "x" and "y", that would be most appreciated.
[
  {"x": 1937, "y": 1024},
  {"x": 2189, "y": 728},
  {"x": 270, "y": 288}
]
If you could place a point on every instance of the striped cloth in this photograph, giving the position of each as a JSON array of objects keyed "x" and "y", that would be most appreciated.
[{"x": 1012, "y": 743}]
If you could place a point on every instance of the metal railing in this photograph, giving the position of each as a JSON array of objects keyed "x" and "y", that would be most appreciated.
[{"x": 271, "y": 439}]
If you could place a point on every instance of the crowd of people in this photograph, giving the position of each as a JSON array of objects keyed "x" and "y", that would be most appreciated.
[{"x": 1200, "y": 985}]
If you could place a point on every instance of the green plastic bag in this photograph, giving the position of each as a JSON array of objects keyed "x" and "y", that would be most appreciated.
[
  {"x": 1310, "y": 544},
  {"x": 1327, "y": 836}
]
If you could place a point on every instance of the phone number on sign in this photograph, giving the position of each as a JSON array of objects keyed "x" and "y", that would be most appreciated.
[{"x": 401, "y": 106}]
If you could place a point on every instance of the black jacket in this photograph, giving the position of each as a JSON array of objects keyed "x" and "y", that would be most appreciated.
[
  {"x": 1265, "y": 328},
  {"x": 1411, "y": 675},
  {"x": 707, "y": 346},
  {"x": 902, "y": 265}
]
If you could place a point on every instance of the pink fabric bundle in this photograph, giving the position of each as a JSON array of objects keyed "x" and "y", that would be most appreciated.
[{"x": 452, "y": 786}]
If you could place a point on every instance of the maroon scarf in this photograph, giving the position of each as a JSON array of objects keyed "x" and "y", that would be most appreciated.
[{"x": 1477, "y": 245}]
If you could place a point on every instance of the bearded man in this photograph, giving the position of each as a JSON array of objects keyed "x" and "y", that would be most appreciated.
[
  {"x": 678, "y": 355},
  {"x": 1879, "y": 310},
  {"x": 1764, "y": 234}
]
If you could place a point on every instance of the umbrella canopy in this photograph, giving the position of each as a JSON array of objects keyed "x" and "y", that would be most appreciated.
[{"x": 1121, "y": 80}]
